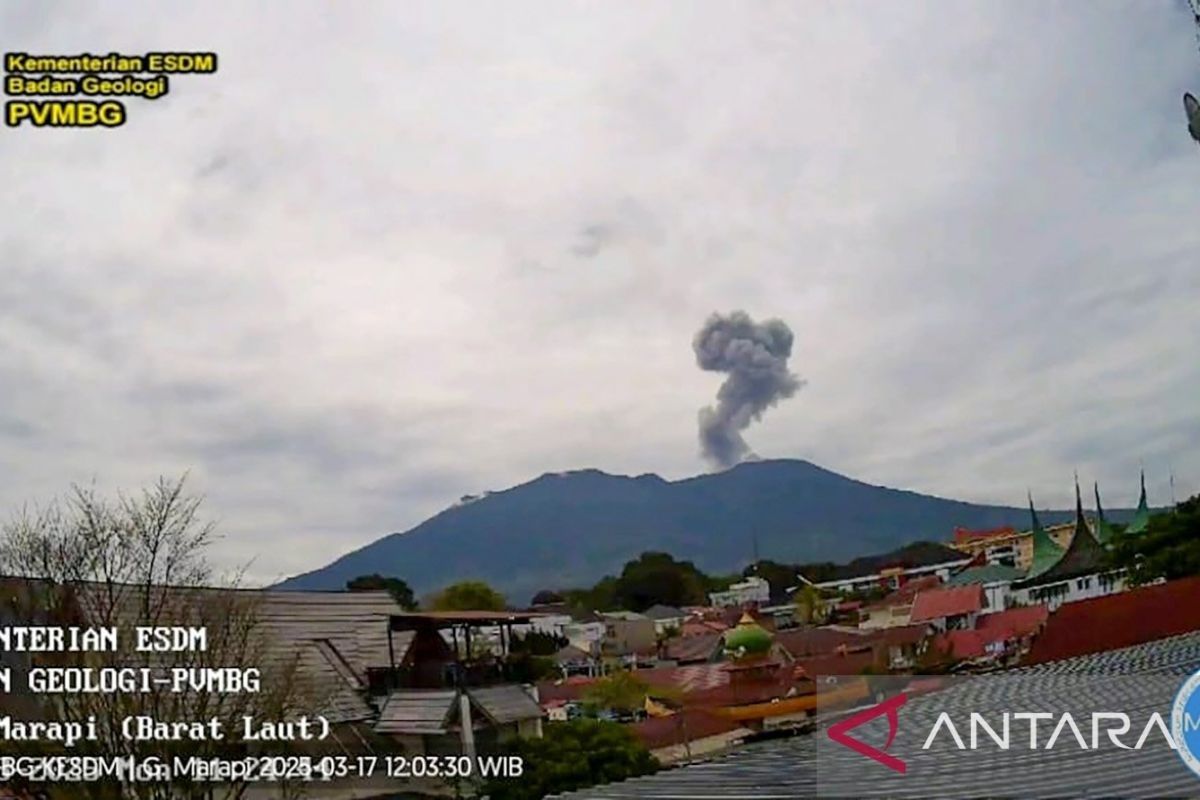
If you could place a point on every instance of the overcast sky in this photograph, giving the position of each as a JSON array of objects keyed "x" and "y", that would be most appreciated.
[{"x": 406, "y": 251}]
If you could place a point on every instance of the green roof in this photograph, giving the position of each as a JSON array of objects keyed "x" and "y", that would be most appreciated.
[
  {"x": 1045, "y": 552},
  {"x": 1102, "y": 530},
  {"x": 1141, "y": 517},
  {"x": 747, "y": 638},
  {"x": 990, "y": 573},
  {"x": 1083, "y": 556}
]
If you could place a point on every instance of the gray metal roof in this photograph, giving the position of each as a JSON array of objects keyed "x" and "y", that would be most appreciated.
[
  {"x": 783, "y": 769},
  {"x": 505, "y": 704},
  {"x": 417, "y": 711}
]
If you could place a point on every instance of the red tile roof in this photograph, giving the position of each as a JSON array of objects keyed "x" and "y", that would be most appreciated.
[
  {"x": 702, "y": 627},
  {"x": 689, "y": 679},
  {"x": 1119, "y": 620},
  {"x": 693, "y": 648},
  {"x": 569, "y": 689},
  {"x": 934, "y": 604},
  {"x": 907, "y": 592},
  {"x": 816, "y": 641},
  {"x": 1003, "y": 626},
  {"x": 898, "y": 636}
]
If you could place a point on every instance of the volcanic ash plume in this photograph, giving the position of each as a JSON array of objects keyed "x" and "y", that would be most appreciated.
[{"x": 754, "y": 354}]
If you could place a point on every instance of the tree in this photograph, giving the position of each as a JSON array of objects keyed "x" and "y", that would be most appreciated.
[
  {"x": 400, "y": 591},
  {"x": 468, "y": 596},
  {"x": 811, "y": 607},
  {"x": 1168, "y": 548},
  {"x": 546, "y": 597},
  {"x": 781, "y": 576},
  {"x": 654, "y": 578},
  {"x": 621, "y": 691},
  {"x": 601, "y": 597},
  {"x": 573, "y": 755},
  {"x": 140, "y": 561},
  {"x": 538, "y": 643}
]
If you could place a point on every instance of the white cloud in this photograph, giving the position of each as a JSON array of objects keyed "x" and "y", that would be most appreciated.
[{"x": 403, "y": 252}]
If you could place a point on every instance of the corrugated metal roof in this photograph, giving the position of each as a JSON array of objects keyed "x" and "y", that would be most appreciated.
[
  {"x": 505, "y": 704},
  {"x": 786, "y": 770},
  {"x": 417, "y": 711}
]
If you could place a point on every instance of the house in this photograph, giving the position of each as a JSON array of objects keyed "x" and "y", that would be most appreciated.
[
  {"x": 891, "y": 570},
  {"x": 1136, "y": 616},
  {"x": 1004, "y": 636},
  {"x": 628, "y": 636},
  {"x": 446, "y": 695},
  {"x": 847, "y": 651},
  {"x": 702, "y": 626},
  {"x": 752, "y": 591},
  {"x": 1059, "y": 575},
  {"x": 948, "y": 608},
  {"x": 996, "y": 580},
  {"x": 450, "y": 722},
  {"x": 666, "y": 618},
  {"x": 895, "y": 610},
  {"x": 585, "y": 631},
  {"x": 699, "y": 649},
  {"x": 573, "y": 661}
]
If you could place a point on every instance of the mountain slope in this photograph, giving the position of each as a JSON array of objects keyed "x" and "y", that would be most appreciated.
[{"x": 570, "y": 529}]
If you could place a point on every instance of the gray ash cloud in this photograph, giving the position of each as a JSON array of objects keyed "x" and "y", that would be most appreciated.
[{"x": 754, "y": 355}]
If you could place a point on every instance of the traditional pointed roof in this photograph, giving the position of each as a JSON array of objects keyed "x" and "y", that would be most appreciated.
[
  {"x": 1083, "y": 556},
  {"x": 1045, "y": 552},
  {"x": 1141, "y": 517},
  {"x": 1103, "y": 531}
]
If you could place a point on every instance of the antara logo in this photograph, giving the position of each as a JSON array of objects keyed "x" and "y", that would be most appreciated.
[{"x": 890, "y": 707}]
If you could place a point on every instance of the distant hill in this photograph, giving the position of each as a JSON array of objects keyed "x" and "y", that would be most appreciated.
[{"x": 570, "y": 529}]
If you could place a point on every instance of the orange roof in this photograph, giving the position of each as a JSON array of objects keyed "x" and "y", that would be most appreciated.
[
  {"x": 951, "y": 601},
  {"x": 657, "y": 732}
]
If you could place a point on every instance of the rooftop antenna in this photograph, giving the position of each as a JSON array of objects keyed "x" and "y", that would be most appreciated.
[{"x": 1191, "y": 106}]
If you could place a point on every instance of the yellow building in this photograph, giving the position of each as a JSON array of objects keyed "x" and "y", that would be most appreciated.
[{"x": 1008, "y": 546}]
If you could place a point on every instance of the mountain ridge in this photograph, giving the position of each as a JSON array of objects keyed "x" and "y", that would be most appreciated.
[{"x": 564, "y": 529}]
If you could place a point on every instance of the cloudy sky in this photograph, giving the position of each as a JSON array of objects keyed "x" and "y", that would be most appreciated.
[{"x": 406, "y": 251}]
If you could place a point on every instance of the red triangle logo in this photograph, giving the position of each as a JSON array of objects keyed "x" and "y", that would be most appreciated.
[{"x": 890, "y": 707}]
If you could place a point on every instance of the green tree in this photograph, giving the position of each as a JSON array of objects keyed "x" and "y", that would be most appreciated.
[
  {"x": 573, "y": 755},
  {"x": 400, "y": 591},
  {"x": 538, "y": 643},
  {"x": 620, "y": 691},
  {"x": 468, "y": 596},
  {"x": 811, "y": 607},
  {"x": 546, "y": 597},
  {"x": 658, "y": 578},
  {"x": 781, "y": 576},
  {"x": 601, "y": 597},
  {"x": 1168, "y": 548}
]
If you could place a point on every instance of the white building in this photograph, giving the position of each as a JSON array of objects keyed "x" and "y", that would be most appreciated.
[{"x": 752, "y": 590}]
